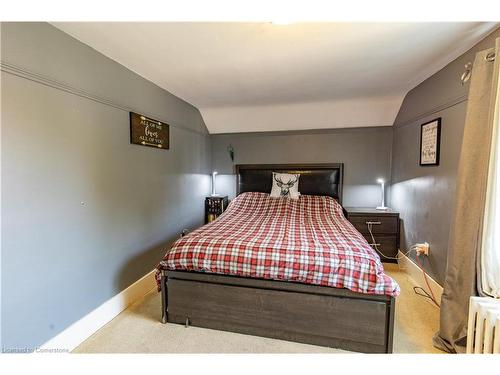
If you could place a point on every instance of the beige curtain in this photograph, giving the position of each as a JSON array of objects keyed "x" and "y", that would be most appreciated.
[{"x": 467, "y": 224}]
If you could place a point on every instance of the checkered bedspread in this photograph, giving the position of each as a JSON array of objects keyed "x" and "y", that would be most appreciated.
[{"x": 306, "y": 240}]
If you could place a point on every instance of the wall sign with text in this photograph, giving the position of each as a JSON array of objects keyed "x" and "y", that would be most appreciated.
[
  {"x": 146, "y": 131},
  {"x": 430, "y": 139}
]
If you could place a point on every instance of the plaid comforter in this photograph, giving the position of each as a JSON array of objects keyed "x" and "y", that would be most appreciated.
[{"x": 306, "y": 240}]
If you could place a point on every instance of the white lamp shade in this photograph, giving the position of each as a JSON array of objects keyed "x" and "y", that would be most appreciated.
[
  {"x": 381, "y": 181},
  {"x": 214, "y": 174}
]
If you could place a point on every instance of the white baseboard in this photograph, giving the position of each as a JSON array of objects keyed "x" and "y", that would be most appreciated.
[
  {"x": 413, "y": 270},
  {"x": 82, "y": 329}
]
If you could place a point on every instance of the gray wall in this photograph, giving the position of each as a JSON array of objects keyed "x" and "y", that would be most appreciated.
[
  {"x": 84, "y": 213},
  {"x": 365, "y": 152},
  {"x": 425, "y": 196}
]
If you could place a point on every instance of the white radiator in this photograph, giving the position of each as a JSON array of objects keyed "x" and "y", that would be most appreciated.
[{"x": 483, "y": 329}]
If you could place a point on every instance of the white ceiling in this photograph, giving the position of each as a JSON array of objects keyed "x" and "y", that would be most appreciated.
[{"x": 266, "y": 77}]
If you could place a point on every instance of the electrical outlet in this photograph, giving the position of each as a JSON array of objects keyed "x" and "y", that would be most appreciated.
[{"x": 422, "y": 248}]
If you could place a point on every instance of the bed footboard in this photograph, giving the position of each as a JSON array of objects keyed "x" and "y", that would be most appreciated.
[{"x": 303, "y": 313}]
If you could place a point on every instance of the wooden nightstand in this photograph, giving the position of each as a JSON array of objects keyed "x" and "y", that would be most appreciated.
[
  {"x": 214, "y": 207},
  {"x": 384, "y": 226}
]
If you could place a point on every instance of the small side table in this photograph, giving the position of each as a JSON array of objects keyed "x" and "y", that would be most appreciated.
[
  {"x": 384, "y": 226},
  {"x": 214, "y": 207}
]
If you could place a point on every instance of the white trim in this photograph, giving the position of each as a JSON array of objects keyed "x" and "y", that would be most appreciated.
[
  {"x": 47, "y": 81},
  {"x": 82, "y": 329},
  {"x": 415, "y": 273}
]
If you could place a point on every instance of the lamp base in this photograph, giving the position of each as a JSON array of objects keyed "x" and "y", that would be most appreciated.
[{"x": 382, "y": 208}]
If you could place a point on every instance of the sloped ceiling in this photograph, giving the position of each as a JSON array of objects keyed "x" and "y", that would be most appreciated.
[{"x": 247, "y": 77}]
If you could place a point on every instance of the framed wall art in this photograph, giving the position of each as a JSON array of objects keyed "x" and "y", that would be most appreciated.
[
  {"x": 149, "y": 132},
  {"x": 430, "y": 139}
]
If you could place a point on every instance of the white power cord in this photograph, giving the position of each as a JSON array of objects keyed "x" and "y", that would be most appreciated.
[
  {"x": 375, "y": 245},
  {"x": 419, "y": 249}
]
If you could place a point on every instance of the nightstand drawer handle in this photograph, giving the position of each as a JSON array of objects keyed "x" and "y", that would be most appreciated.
[
  {"x": 373, "y": 223},
  {"x": 374, "y": 244}
]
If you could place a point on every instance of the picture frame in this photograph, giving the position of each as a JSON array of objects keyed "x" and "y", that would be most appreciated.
[
  {"x": 430, "y": 143},
  {"x": 146, "y": 131}
]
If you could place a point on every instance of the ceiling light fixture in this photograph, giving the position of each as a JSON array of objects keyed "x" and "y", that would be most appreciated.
[{"x": 282, "y": 21}]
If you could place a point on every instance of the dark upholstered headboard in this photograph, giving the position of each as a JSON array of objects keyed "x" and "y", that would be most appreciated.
[{"x": 315, "y": 179}]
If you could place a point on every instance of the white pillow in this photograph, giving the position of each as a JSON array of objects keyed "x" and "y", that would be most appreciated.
[{"x": 285, "y": 185}]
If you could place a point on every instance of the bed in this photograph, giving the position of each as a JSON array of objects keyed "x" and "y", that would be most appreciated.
[{"x": 295, "y": 270}]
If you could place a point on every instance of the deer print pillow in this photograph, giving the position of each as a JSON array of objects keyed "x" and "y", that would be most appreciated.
[{"x": 285, "y": 185}]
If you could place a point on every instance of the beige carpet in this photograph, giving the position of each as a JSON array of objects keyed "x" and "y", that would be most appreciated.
[{"x": 138, "y": 330}]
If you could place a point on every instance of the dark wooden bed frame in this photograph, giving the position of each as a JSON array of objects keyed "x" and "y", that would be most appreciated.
[{"x": 311, "y": 314}]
